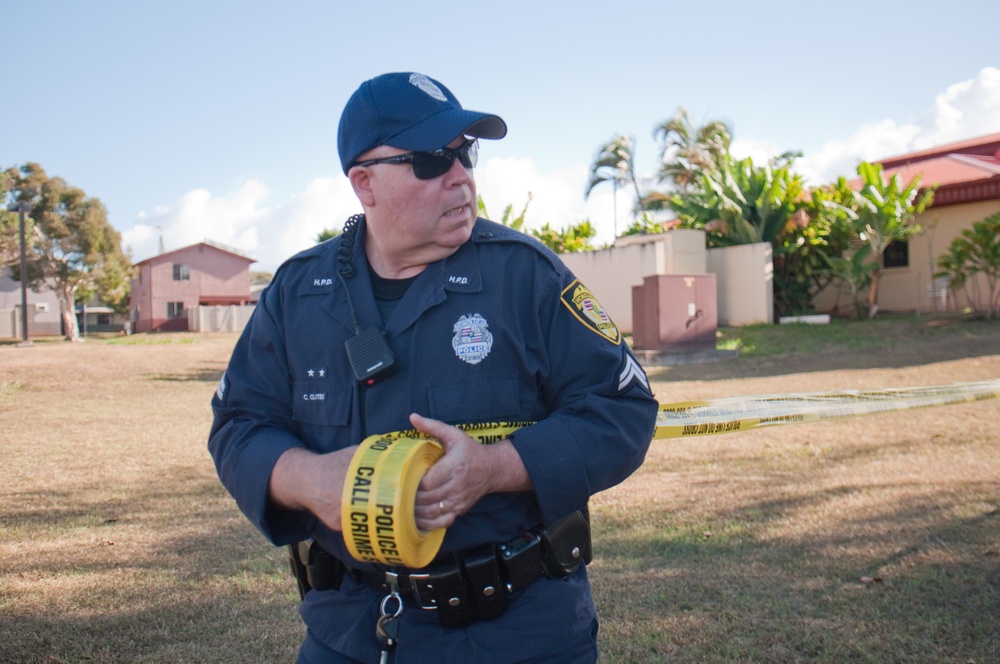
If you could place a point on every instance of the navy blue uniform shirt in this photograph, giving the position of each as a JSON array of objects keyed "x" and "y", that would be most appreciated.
[{"x": 498, "y": 331}]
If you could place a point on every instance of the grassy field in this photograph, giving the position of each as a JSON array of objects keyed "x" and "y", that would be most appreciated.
[{"x": 873, "y": 539}]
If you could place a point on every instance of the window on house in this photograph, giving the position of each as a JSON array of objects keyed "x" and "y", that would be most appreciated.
[
  {"x": 175, "y": 309},
  {"x": 897, "y": 254},
  {"x": 182, "y": 272}
]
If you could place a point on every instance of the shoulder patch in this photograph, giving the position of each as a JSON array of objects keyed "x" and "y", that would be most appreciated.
[{"x": 582, "y": 304}]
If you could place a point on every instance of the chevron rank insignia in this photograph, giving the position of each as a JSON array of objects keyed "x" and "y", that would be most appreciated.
[
  {"x": 582, "y": 304},
  {"x": 632, "y": 373}
]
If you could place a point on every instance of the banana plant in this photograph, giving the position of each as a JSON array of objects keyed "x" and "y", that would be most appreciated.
[
  {"x": 854, "y": 270},
  {"x": 886, "y": 212},
  {"x": 507, "y": 219},
  {"x": 976, "y": 250}
]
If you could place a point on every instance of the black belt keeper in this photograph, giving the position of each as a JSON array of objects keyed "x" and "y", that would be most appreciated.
[{"x": 472, "y": 585}]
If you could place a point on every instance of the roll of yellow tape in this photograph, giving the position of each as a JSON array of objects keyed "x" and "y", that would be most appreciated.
[{"x": 378, "y": 501}]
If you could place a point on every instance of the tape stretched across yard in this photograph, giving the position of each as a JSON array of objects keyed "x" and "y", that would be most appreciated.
[
  {"x": 382, "y": 479},
  {"x": 702, "y": 418}
]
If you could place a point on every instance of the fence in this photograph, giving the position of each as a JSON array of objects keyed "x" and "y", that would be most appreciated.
[
  {"x": 10, "y": 325},
  {"x": 45, "y": 325},
  {"x": 232, "y": 318}
]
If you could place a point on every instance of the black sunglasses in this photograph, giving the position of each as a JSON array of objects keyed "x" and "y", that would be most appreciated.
[{"x": 429, "y": 165}]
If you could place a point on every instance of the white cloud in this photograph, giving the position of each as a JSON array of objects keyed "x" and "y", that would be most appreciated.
[
  {"x": 244, "y": 220},
  {"x": 965, "y": 110},
  {"x": 871, "y": 142},
  {"x": 759, "y": 151},
  {"x": 557, "y": 196}
]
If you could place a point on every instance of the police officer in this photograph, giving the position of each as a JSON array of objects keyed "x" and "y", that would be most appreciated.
[{"x": 421, "y": 316}]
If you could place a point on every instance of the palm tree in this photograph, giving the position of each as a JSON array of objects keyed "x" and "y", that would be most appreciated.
[
  {"x": 691, "y": 149},
  {"x": 615, "y": 163}
]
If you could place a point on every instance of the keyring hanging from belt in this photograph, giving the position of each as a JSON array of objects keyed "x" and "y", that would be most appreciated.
[{"x": 387, "y": 626}]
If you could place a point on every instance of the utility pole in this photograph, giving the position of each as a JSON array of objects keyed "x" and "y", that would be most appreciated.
[{"x": 22, "y": 208}]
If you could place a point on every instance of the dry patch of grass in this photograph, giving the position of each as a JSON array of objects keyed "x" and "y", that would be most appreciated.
[
  {"x": 117, "y": 542},
  {"x": 874, "y": 539}
]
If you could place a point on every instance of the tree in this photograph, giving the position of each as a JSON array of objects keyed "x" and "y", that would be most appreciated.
[
  {"x": 951, "y": 266},
  {"x": 563, "y": 241},
  {"x": 517, "y": 223},
  {"x": 645, "y": 225},
  {"x": 975, "y": 251},
  {"x": 886, "y": 212},
  {"x": 569, "y": 240},
  {"x": 615, "y": 163},
  {"x": 854, "y": 271},
  {"x": 326, "y": 234},
  {"x": 813, "y": 247},
  {"x": 739, "y": 203},
  {"x": 10, "y": 241},
  {"x": 75, "y": 251},
  {"x": 687, "y": 150}
]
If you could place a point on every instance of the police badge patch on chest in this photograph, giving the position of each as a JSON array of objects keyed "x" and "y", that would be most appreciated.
[
  {"x": 582, "y": 303},
  {"x": 472, "y": 341}
]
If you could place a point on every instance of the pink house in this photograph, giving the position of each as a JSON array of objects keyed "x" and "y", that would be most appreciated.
[{"x": 169, "y": 284}]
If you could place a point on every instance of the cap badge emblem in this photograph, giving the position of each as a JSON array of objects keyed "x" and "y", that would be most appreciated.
[{"x": 427, "y": 86}]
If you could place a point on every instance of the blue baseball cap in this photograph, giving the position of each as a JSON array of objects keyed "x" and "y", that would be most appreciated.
[{"x": 408, "y": 111}]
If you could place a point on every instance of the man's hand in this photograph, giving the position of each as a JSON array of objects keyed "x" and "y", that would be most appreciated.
[
  {"x": 467, "y": 472},
  {"x": 304, "y": 480}
]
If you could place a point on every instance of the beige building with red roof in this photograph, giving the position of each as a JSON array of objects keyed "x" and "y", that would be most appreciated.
[{"x": 967, "y": 175}]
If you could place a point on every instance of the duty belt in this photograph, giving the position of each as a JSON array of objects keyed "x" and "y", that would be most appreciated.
[
  {"x": 463, "y": 590},
  {"x": 474, "y": 585}
]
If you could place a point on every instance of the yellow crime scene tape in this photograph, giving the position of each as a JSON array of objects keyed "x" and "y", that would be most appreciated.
[
  {"x": 702, "y": 418},
  {"x": 382, "y": 479},
  {"x": 380, "y": 489}
]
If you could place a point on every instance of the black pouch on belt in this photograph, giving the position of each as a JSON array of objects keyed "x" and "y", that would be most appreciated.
[
  {"x": 566, "y": 544},
  {"x": 315, "y": 568}
]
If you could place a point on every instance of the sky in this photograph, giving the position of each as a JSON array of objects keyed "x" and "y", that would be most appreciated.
[{"x": 194, "y": 120}]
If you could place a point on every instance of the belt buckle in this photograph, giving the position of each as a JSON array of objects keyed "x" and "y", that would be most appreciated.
[{"x": 423, "y": 590}]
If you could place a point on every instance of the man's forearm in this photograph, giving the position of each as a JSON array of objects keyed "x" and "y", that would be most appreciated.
[
  {"x": 304, "y": 480},
  {"x": 508, "y": 473}
]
